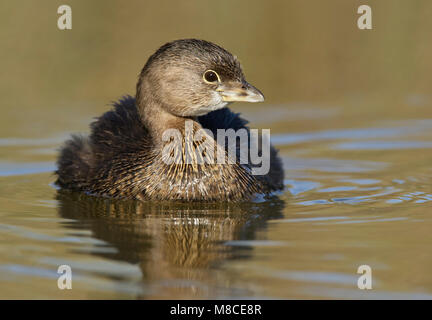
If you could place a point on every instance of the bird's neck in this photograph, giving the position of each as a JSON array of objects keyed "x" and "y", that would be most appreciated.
[{"x": 157, "y": 120}]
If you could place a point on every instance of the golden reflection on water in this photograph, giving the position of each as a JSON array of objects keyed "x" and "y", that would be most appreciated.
[
  {"x": 176, "y": 246},
  {"x": 349, "y": 110}
]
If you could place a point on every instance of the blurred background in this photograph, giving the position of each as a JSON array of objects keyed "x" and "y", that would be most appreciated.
[
  {"x": 349, "y": 109},
  {"x": 294, "y": 51}
]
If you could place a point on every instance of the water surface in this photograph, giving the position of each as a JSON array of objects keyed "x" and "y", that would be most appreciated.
[{"x": 346, "y": 203}]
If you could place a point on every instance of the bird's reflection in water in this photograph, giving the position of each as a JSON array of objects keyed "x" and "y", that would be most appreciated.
[{"x": 179, "y": 247}]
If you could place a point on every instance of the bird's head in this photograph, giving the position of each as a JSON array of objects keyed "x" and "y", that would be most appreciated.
[{"x": 194, "y": 77}]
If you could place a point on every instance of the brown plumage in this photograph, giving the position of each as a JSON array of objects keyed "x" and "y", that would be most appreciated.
[{"x": 185, "y": 80}]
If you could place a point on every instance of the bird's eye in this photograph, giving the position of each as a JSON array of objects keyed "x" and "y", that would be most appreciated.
[{"x": 211, "y": 76}]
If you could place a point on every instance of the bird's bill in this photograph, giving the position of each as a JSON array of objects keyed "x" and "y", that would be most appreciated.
[{"x": 240, "y": 91}]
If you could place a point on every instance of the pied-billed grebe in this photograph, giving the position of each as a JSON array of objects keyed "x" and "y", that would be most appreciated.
[{"x": 184, "y": 81}]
